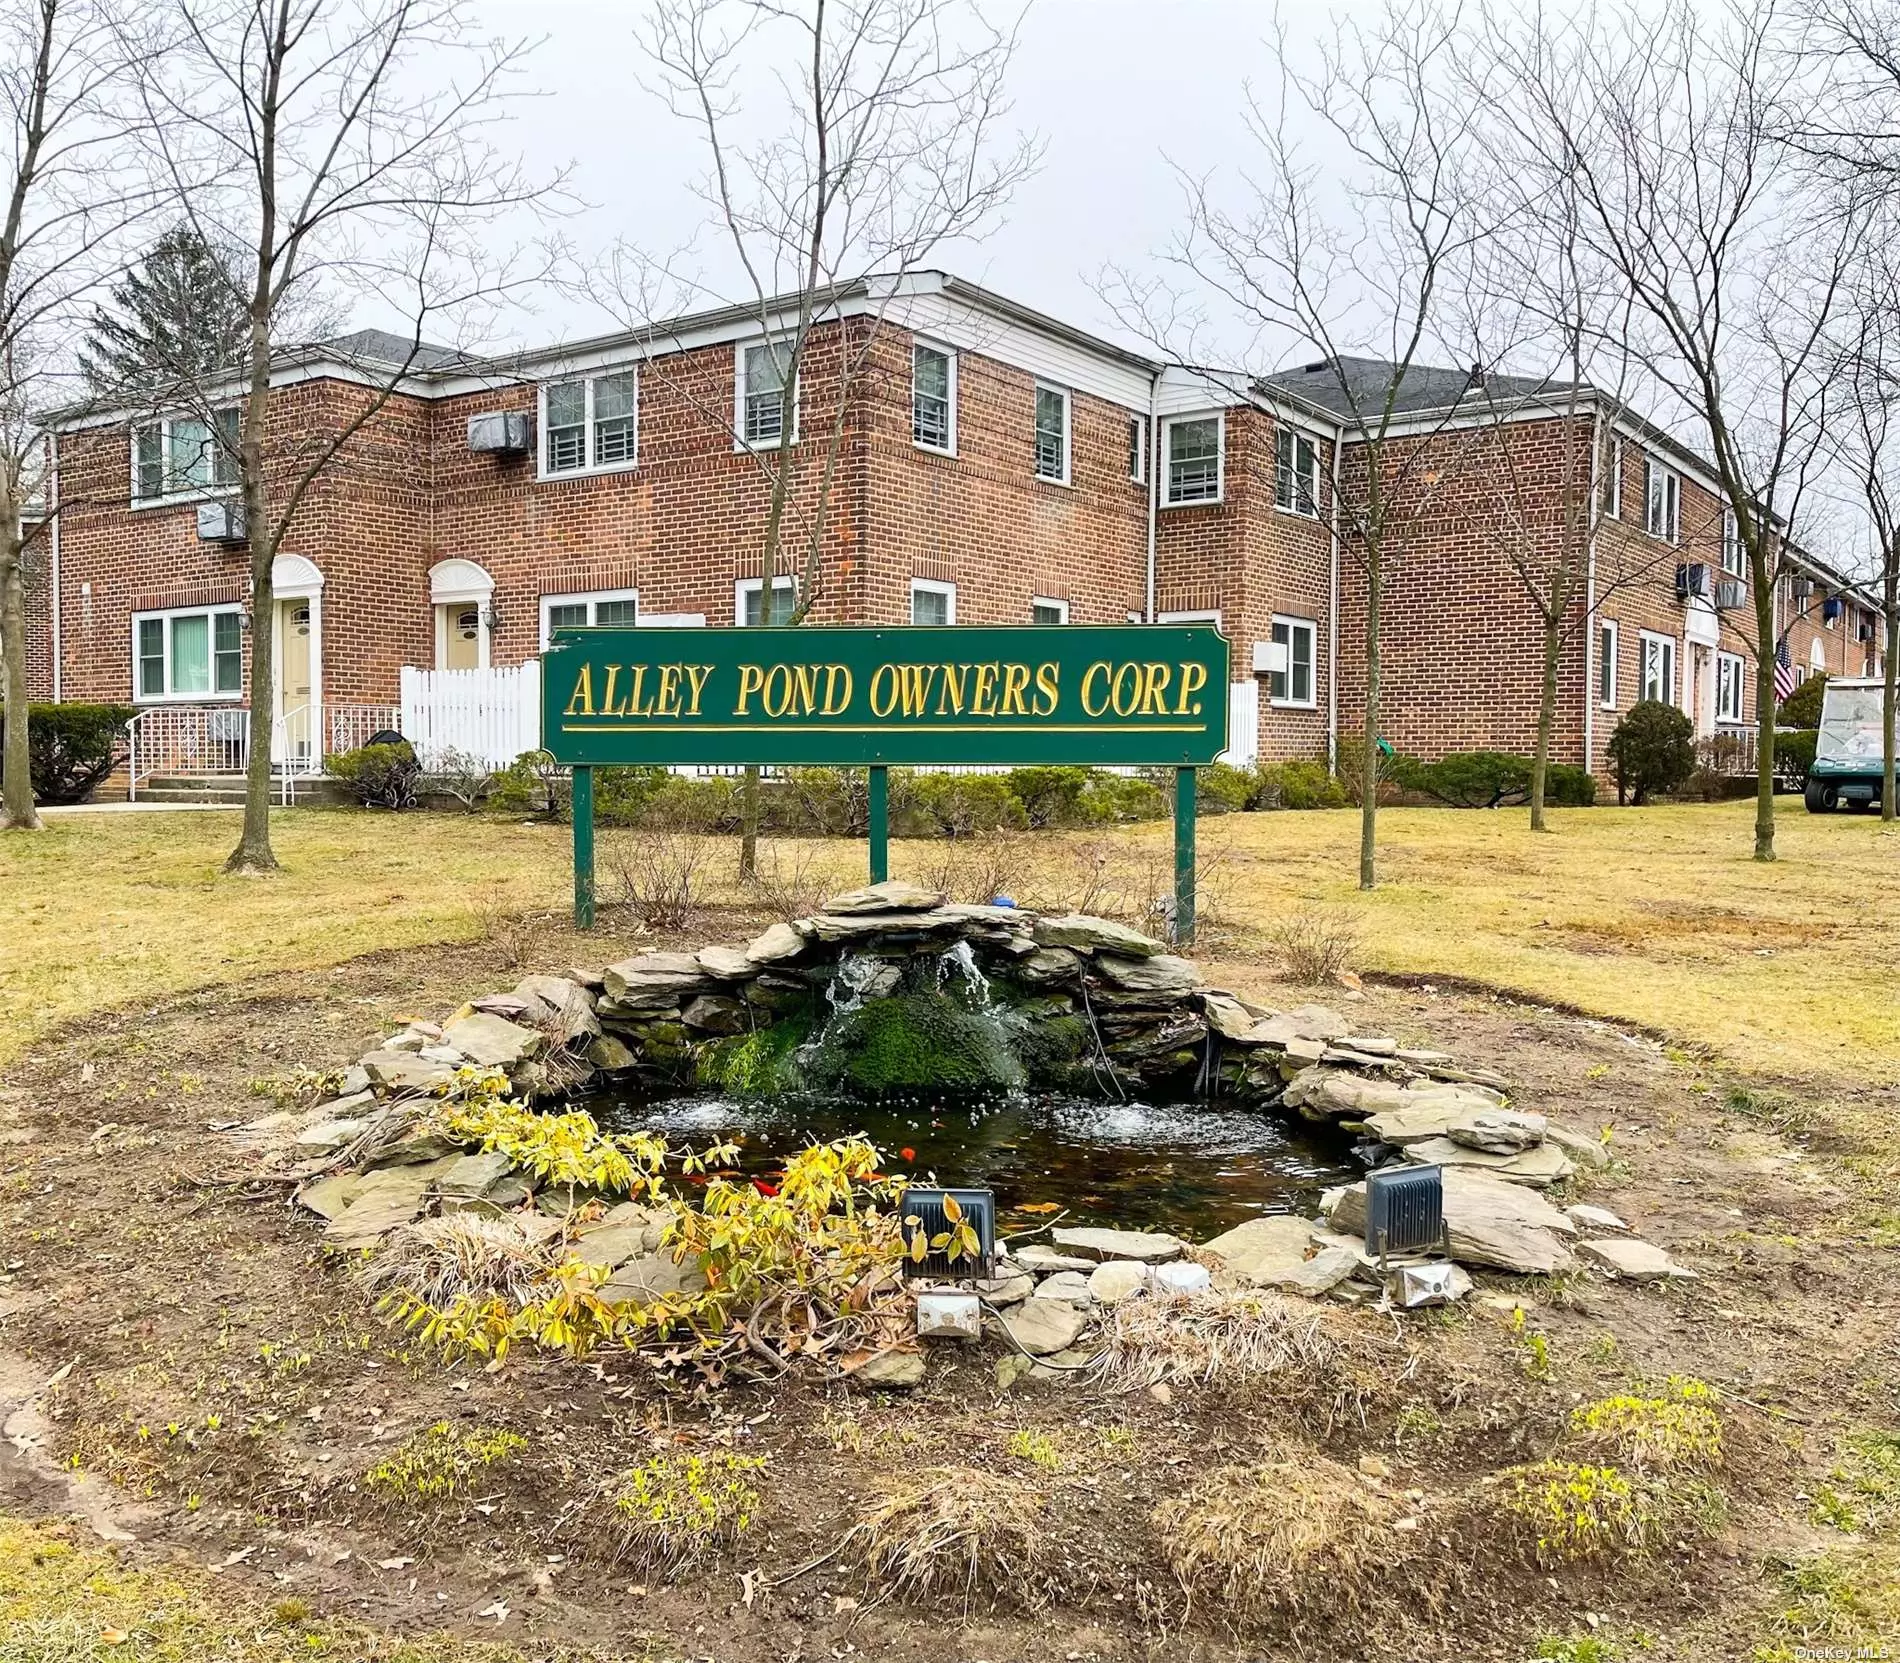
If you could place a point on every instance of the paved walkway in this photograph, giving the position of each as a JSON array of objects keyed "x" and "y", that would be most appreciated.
[{"x": 141, "y": 808}]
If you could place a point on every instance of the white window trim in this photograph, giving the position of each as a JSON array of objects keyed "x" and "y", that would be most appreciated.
[
  {"x": 934, "y": 586},
  {"x": 1607, "y": 626},
  {"x": 756, "y": 586},
  {"x": 951, "y": 393},
  {"x": 1741, "y": 695},
  {"x": 1671, "y": 534},
  {"x": 1061, "y": 606},
  {"x": 1189, "y": 618},
  {"x": 1295, "y": 510},
  {"x": 1732, "y": 539},
  {"x": 1138, "y": 426},
  {"x": 739, "y": 441},
  {"x": 591, "y": 597},
  {"x": 168, "y": 614},
  {"x": 1311, "y": 702},
  {"x": 589, "y": 468},
  {"x": 1068, "y": 433},
  {"x": 1168, "y": 425},
  {"x": 1615, "y": 465},
  {"x": 1645, "y": 639},
  {"x": 171, "y": 499}
]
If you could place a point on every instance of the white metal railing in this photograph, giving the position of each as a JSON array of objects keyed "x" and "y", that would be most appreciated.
[{"x": 215, "y": 741}]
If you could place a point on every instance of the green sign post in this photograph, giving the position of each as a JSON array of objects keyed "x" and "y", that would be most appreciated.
[{"x": 1109, "y": 696}]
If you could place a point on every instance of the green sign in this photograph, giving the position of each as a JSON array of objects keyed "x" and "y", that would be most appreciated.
[{"x": 1122, "y": 695}]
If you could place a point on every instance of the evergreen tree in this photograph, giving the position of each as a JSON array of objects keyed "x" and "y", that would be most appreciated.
[{"x": 178, "y": 316}]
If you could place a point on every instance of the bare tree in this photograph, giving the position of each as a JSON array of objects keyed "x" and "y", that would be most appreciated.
[
  {"x": 65, "y": 198},
  {"x": 1352, "y": 264},
  {"x": 1675, "y": 131},
  {"x": 888, "y": 146},
  {"x": 344, "y": 145}
]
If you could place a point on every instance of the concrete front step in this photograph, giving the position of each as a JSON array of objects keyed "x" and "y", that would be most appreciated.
[{"x": 228, "y": 789}]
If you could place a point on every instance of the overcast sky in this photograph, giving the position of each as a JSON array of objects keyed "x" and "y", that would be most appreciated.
[{"x": 1116, "y": 88}]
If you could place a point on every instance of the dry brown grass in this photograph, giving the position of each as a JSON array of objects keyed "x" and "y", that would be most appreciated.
[
  {"x": 1318, "y": 1365},
  {"x": 963, "y": 1532},
  {"x": 1297, "y": 1535},
  {"x": 442, "y": 1259}
]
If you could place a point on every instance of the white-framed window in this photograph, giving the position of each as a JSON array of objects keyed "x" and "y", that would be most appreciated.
[
  {"x": 599, "y": 609},
  {"x": 185, "y": 456},
  {"x": 1192, "y": 445},
  {"x": 190, "y": 653},
  {"x": 933, "y": 398},
  {"x": 1181, "y": 618},
  {"x": 1728, "y": 687},
  {"x": 1659, "y": 667},
  {"x": 1052, "y": 434},
  {"x": 1610, "y": 495},
  {"x": 591, "y": 423},
  {"x": 1734, "y": 559},
  {"x": 761, "y": 408},
  {"x": 1295, "y": 473},
  {"x": 1662, "y": 501},
  {"x": 1138, "y": 449},
  {"x": 1606, "y": 664},
  {"x": 932, "y": 602},
  {"x": 1044, "y": 609},
  {"x": 748, "y": 595},
  {"x": 1294, "y": 639}
]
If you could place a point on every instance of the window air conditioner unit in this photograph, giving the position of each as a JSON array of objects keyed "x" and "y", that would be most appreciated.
[
  {"x": 502, "y": 432},
  {"x": 1270, "y": 658},
  {"x": 1730, "y": 594},
  {"x": 221, "y": 522},
  {"x": 1831, "y": 608},
  {"x": 1866, "y": 632},
  {"x": 1800, "y": 588},
  {"x": 1692, "y": 581}
]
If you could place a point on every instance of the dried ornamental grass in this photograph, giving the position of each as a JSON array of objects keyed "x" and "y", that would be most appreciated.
[
  {"x": 463, "y": 1256},
  {"x": 959, "y": 1530},
  {"x": 1302, "y": 1535}
]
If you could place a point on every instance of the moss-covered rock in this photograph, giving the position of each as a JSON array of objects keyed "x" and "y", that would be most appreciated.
[
  {"x": 755, "y": 1066},
  {"x": 916, "y": 1044}
]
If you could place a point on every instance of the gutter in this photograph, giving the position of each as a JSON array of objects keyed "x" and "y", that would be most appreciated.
[
  {"x": 1332, "y": 617},
  {"x": 53, "y": 487},
  {"x": 1592, "y": 632},
  {"x": 1154, "y": 480}
]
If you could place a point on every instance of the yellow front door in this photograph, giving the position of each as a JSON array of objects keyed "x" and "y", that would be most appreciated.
[
  {"x": 461, "y": 636},
  {"x": 294, "y": 680}
]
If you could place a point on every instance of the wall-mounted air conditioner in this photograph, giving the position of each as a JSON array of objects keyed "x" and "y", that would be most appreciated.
[
  {"x": 503, "y": 432},
  {"x": 221, "y": 522},
  {"x": 1270, "y": 658},
  {"x": 1832, "y": 608},
  {"x": 1730, "y": 594},
  {"x": 1801, "y": 588},
  {"x": 1692, "y": 581}
]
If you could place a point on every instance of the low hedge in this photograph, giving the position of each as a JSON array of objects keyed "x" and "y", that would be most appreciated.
[
  {"x": 1494, "y": 779},
  {"x": 72, "y": 747},
  {"x": 378, "y": 776}
]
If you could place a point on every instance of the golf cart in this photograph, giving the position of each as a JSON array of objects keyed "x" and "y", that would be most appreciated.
[{"x": 1847, "y": 756}]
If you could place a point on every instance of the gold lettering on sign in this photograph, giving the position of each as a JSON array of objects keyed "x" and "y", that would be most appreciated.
[
  {"x": 1193, "y": 679},
  {"x": 582, "y": 703},
  {"x": 1047, "y": 688},
  {"x": 696, "y": 676},
  {"x": 751, "y": 680},
  {"x": 1090, "y": 706},
  {"x": 837, "y": 689}
]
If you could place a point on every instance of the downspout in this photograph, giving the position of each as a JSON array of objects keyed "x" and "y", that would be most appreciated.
[
  {"x": 1592, "y": 634},
  {"x": 1154, "y": 479},
  {"x": 53, "y": 499},
  {"x": 1332, "y": 617}
]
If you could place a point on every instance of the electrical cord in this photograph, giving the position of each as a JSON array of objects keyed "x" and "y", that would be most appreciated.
[{"x": 1040, "y": 1362}]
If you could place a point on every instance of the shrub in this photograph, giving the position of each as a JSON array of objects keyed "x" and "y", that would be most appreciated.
[
  {"x": 1298, "y": 785},
  {"x": 1350, "y": 769},
  {"x": 679, "y": 802},
  {"x": 1223, "y": 789},
  {"x": 1050, "y": 796},
  {"x": 1316, "y": 943},
  {"x": 1802, "y": 707},
  {"x": 663, "y": 875},
  {"x": 1794, "y": 756},
  {"x": 834, "y": 802},
  {"x": 1571, "y": 1512},
  {"x": 1679, "y": 1427},
  {"x": 378, "y": 776},
  {"x": 1653, "y": 751},
  {"x": 675, "y": 1508},
  {"x": 72, "y": 747},
  {"x": 622, "y": 796},
  {"x": 464, "y": 776},
  {"x": 534, "y": 783},
  {"x": 1494, "y": 779},
  {"x": 956, "y": 805},
  {"x": 1118, "y": 798},
  {"x": 961, "y": 1531},
  {"x": 440, "y": 1462}
]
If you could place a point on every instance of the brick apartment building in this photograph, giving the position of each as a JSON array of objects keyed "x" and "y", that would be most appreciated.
[{"x": 988, "y": 465}]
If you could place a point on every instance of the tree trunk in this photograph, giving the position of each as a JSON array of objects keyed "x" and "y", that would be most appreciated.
[
  {"x": 1546, "y": 716},
  {"x": 1369, "y": 764},
  {"x": 253, "y": 855},
  {"x": 1764, "y": 716},
  {"x": 17, "y": 812},
  {"x": 1890, "y": 671}
]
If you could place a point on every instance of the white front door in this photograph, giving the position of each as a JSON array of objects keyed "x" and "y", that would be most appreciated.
[{"x": 296, "y": 678}]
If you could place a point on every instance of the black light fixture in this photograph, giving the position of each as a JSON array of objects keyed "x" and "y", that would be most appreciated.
[
  {"x": 929, "y": 1215},
  {"x": 1405, "y": 1211}
]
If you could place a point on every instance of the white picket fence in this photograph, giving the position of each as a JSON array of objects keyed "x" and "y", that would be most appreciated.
[{"x": 490, "y": 715}]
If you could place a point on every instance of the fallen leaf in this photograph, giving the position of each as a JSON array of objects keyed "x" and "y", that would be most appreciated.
[
  {"x": 114, "y": 1636},
  {"x": 1039, "y": 1207},
  {"x": 394, "y": 1564},
  {"x": 61, "y": 1372},
  {"x": 236, "y": 1558},
  {"x": 499, "y": 1611},
  {"x": 1351, "y": 979}
]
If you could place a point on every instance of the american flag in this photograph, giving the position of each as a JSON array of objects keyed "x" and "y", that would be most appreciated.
[{"x": 1784, "y": 671}]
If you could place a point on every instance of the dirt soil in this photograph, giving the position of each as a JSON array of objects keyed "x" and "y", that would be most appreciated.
[{"x": 219, "y": 1384}]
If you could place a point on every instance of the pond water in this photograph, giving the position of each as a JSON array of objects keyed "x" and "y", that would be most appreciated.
[{"x": 1188, "y": 1167}]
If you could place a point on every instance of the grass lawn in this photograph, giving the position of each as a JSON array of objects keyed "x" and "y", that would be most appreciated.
[{"x": 1656, "y": 916}]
